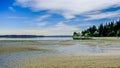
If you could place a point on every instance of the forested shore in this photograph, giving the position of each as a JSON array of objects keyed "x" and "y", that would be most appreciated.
[{"x": 110, "y": 29}]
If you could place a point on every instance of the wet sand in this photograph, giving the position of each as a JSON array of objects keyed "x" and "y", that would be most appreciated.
[
  {"x": 99, "y": 53},
  {"x": 70, "y": 61}
]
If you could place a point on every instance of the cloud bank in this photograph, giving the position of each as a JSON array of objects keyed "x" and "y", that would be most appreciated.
[
  {"x": 103, "y": 15},
  {"x": 58, "y": 29},
  {"x": 68, "y": 8}
]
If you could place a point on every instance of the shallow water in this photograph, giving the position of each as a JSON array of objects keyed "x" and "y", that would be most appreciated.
[
  {"x": 59, "y": 49},
  {"x": 76, "y": 49}
]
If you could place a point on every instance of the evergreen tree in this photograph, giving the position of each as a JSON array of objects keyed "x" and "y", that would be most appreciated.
[
  {"x": 100, "y": 29},
  {"x": 108, "y": 30},
  {"x": 96, "y": 34}
]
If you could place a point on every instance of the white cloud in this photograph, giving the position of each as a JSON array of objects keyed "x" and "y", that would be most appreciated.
[
  {"x": 42, "y": 24},
  {"x": 103, "y": 15},
  {"x": 85, "y": 25},
  {"x": 64, "y": 27},
  {"x": 68, "y": 8},
  {"x": 40, "y": 18},
  {"x": 58, "y": 29}
]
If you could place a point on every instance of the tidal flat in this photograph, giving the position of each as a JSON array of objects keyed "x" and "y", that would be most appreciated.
[{"x": 95, "y": 53}]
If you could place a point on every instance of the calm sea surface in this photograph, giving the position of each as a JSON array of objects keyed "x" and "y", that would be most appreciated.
[{"x": 39, "y": 38}]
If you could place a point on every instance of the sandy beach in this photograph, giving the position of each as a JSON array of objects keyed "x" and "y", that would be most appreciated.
[
  {"x": 96, "y": 53},
  {"x": 69, "y": 62}
]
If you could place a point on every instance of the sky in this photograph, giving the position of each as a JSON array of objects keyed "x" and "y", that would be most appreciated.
[{"x": 55, "y": 17}]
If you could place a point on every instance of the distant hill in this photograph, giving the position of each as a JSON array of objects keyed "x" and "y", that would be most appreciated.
[
  {"x": 31, "y": 36},
  {"x": 19, "y": 36}
]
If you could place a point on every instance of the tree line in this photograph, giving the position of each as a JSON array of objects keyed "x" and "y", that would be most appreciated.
[{"x": 111, "y": 29}]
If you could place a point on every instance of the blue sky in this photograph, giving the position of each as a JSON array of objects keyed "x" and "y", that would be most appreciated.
[{"x": 55, "y": 17}]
